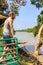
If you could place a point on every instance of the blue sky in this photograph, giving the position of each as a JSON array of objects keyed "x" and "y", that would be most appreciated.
[{"x": 27, "y": 17}]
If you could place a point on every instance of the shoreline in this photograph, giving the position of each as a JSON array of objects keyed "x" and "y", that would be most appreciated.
[{"x": 27, "y": 58}]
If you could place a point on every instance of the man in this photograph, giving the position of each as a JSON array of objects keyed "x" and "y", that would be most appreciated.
[
  {"x": 8, "y": 32},
  {"x": 39, "y": 41}
]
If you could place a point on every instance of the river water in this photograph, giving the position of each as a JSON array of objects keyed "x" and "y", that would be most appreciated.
[{"x": 29, "y": 39}]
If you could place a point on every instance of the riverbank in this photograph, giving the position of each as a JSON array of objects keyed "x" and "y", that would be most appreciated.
[
  {"x": 27, "y": 30},
  {"x": 25, "y": 58}
]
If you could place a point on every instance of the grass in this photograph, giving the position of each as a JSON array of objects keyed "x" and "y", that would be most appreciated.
[{"x": 23, "y": 61}]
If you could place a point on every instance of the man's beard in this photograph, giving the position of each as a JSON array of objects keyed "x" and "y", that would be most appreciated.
[{"x": 12, "y": 18}]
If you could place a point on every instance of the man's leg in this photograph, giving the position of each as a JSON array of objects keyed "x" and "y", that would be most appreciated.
[
  {"x": 12, "y": 51},
  {"x": 12, "y": 54},
  {"x": 4, "y": 53}
]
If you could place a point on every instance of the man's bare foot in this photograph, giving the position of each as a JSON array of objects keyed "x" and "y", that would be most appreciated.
[{"x": 2, "y": 59}]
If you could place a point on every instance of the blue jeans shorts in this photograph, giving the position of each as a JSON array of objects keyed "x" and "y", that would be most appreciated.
[{"x": 6, "y": 41}]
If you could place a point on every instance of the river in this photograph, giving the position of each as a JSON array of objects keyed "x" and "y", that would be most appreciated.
[{"x": 29, "y": 39}]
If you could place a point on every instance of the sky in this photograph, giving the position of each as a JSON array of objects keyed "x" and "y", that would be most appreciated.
[{"x": 27, "y": 17}]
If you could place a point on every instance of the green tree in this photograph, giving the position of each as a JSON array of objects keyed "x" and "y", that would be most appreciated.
[
  {"x": 39, "y": 23},
  {"x": 3, "y": 5},
  {"x": 14, "y": 5},
  {"x": 37, "y": 3}
]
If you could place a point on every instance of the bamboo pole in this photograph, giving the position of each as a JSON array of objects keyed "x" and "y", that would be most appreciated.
[
  {"x": 12, "y": 44},
  {"x": 9, "y": 53},
  {"x": 11, "y": 62},
  {"x": 8, "y": 50},
  {"x": 7, "y": 59}
]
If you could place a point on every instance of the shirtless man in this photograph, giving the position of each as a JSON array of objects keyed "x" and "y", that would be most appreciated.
[{"x": 8, "y": 32}]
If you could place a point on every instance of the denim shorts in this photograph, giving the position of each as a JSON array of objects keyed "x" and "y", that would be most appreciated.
[{"x": 6, "y": 41}]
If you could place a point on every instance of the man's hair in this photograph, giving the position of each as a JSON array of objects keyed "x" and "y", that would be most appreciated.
[{"x": 11, "y": 13}]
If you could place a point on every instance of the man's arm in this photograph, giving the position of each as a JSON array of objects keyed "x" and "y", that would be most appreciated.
[{"x": 11, "y": 28}]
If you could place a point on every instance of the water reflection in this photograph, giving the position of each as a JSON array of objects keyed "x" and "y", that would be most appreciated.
[{"x": 30, "y": 48}]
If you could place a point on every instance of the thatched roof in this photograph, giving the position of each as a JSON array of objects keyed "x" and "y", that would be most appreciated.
[{"x": 2, "y": 18}]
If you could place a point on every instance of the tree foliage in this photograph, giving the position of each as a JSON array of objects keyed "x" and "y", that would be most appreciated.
[
  {"x": 13, "y": 4},
  {"x": 39, "y": 23},
  {"x": 37, "y": 3},
  {"x": 3, "y": 5}
]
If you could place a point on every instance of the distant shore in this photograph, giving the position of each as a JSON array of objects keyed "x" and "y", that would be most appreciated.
[{"x": 26, "y": 30}]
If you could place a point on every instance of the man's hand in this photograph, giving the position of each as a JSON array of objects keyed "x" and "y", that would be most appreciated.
[{"x": 14, "y": 36}]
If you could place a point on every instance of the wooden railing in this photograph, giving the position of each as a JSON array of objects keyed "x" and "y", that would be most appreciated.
[{"x": 11, "y": 51}]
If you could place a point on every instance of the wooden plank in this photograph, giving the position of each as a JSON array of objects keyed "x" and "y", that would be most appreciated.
[
  {"x": 11, "y": 62},
  {"x": 11, "y": 53},
  {"x": 8, "y": 50},
  {"x": 8, "y": 44},
  {"x": 4, "y": 63},
  {"x": 7, "y": 59},
  {"x": 13, "y": 45}
]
